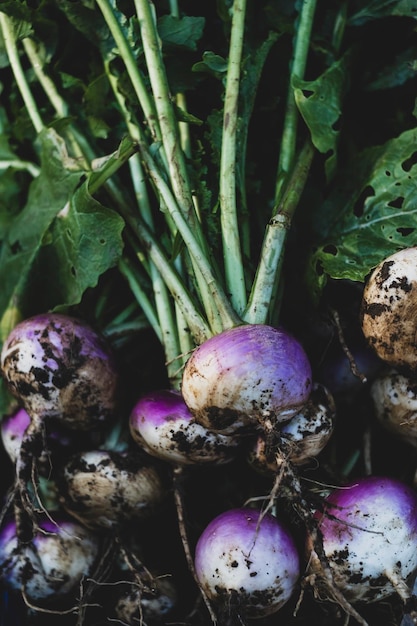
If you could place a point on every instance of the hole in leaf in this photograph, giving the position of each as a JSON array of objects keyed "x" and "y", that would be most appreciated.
[
  {"x": 359, "y": 205},
  {"x": 387, "y": 173},
  {"x": 337, "y": 124},
  {"x": 16, "y": 247},
  {"x": 73, "y": 271},
  {"x": 407, "y": 164},
  {"x": 319, "y": 269},
  {"x": 330, "y": 249},
  {"x": 307, "y": 93},
  {"x": 405, "y": 231},
  {"x": 102, "y": 241},
  {"x": 397, "y": 202}
]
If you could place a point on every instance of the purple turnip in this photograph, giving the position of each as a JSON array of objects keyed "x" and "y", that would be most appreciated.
[
  {"x": 369, "y": 531},
  {"x": 247, "y": 563},
  {"x": 59, "y": 369},
  {"x": 162, "y": 424},
  {"x": 248, "y": 375},
  {"x": 51, "y": 567}
]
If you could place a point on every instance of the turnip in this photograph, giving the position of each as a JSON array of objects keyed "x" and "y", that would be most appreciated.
[
  {"x": 13, "y": 428},
  {"x": 394, "y": 397},
  {"x": 303, "y": 437},
  {"x": 60, "y": 369},
  {"x": 136, "y": 604},
  {"x": 248, "y": 375},
  {"x": 50, "y": 568},
  {"x": 108, "y": 490},
  {"x": 388, "y": 309},
  {"x": 162, "y": 424},
  {"x": 247, "y": 563},
  {"x": 369, "y": 531}
]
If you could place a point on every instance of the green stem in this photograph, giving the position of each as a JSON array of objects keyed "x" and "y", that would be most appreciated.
[
  {"x": 130, "y": 62},
  {"x": 55, "y": 98},
  {"x": 266, "y": 279},
  {"x": 165, "y": 111},
  {"x": 299, "y": 61},
  {"x": 220, "y": 313},
  {"x": 6, "y": 26},
  {"x": 163, "y": 304},
  {"x": 198, "y": 326},
  {"x": 142, "y": 299},
  {"x": 234, "y": 274}
]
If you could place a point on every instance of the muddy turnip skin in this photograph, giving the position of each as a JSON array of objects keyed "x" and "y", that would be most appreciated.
[
  {"x": 161, "y": 423},
  {"x": 110, "y": 489},
  {"x": 394, "y": 397},
  {"x": 59, "y": 367},
  {"x": 389, "y": 309},
  {"x": 247, "y": 566},
  {"x": 247, "y": 375},
  {"x": 370, "y": 538},
  {"x": 51, "y": 566}
]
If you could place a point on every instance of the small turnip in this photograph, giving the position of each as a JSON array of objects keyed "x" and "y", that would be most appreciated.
[
  {"x": 303, "y": 437},
  {"x": 245, "y": 376},
  {"x": 162, "y": 424},
  {"x": 369, "y": 531},
  {"x": 106, "y": 489},
  {"x": 51, "y": 567},
  {"x": 394, "y": 397},
  {"x": 59, "y": 369},
  {"x": 388, "y": 309},
  {"x": 247, "y": 563}
]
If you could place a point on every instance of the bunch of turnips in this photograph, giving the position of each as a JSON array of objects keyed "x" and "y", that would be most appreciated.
[{"x": 90, "y": 472}]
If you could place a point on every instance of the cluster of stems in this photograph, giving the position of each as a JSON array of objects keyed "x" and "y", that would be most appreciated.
[{"x": 186, "y": 297}]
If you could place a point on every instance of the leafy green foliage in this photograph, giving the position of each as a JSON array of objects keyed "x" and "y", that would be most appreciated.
[
  {"x": 371, "y": 211},
  {"x": 79, "y": 238}
]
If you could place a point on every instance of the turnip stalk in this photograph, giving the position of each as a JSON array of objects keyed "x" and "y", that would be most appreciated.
[
  {"x": 233, "y": 266},
  {"x": 12, "y": 53},
  {"x": 289, "y": 131}
]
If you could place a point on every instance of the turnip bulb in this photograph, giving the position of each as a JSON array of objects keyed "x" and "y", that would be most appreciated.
[
  {"x": 394, "y": 397},
  {"x": 56, "y": 441},
  {"x": 59, "y": 367},
  {"x": 247, "y": 563},
  {"x": 369, "y": 531},
  {"x": 245, "y": 376},
  {"x": 106, "y": 489},
  {"x": 51, "y": 567},
  {"x": 303, "y": 437},
  {"x": 162, "y": 424},
  {"x": 137, "y": 605},
  {"x": 388, "y": 309}
]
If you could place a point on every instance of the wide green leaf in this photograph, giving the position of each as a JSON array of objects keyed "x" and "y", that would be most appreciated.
[
  {"x": 86, "y": 238},
  {"x": 370, "y": 212},
  {"x": 320, "y": 104}
]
